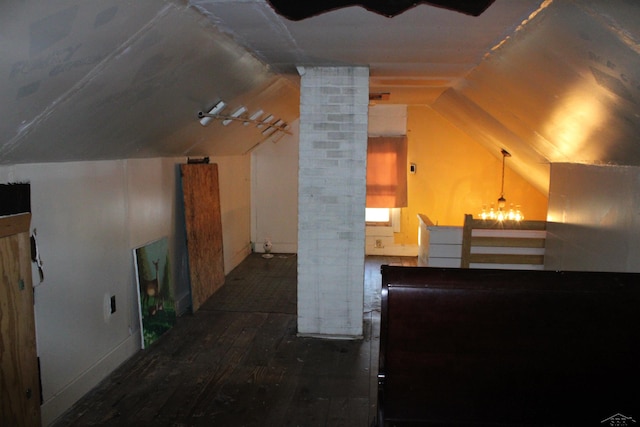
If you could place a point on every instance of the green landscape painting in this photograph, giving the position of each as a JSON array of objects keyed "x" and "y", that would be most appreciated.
[{"x": 155, "y": 290}]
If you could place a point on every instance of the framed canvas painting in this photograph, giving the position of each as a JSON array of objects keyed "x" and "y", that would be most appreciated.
[{"x": 155, "y": 290}]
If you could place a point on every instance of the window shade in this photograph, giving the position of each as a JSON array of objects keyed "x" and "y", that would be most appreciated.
[{"x": 387, "y": 172}]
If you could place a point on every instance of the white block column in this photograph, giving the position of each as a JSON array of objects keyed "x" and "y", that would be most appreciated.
[{"x": 331, "y": 200}]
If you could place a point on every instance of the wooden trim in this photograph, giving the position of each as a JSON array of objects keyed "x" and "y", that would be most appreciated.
[
  {"x": 470, "y": 241},
  {"x": 466, "y": 240},
  {"x": 378, "y": 223},
  {"x": 14, "y": 224},
  {"x": 505, "y": 225},
  {"x": 508, "y": 242},
  {"x": 506, "y": 259}
]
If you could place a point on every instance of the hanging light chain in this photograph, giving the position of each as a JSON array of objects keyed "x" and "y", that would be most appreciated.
[{"x": 501, "y": 214}]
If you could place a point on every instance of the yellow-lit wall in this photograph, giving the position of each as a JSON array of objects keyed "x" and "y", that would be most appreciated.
[{"x": 456, "y": 175}]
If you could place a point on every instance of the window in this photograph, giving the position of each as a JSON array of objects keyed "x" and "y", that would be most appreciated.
[
  {"x": 387, "y": 172},
  {"x": 383, "y": 217},
  {"x": 377, "y": 216}
]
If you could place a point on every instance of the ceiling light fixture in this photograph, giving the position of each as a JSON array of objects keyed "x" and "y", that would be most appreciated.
[
  {"x": 501, "y": 214},
  {"x": 205, "y": 118},
  {"x": 279, "y": 125},
  {"x": 240, "y": 111},
  {"x": 254, "y": 117},
  {"x": 268, "y": 128},
  {"x": 266, "y": 121}
]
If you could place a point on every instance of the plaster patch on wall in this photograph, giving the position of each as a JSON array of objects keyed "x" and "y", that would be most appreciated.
[
  {"x": 612, "y": 84},
  {"x": 105, "y": 16},
  {"x": 150, "y": 68},
  {"x": 53, "y": 59},
  {"x": 27, "y": 90},
  {"x": 49, "y": 30}
]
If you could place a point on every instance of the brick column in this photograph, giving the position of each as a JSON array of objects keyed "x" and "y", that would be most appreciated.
[{"x": 331, "y": 200}]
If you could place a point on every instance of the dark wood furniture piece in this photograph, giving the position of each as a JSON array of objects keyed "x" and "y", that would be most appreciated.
[{"x": 508, "y": 347}]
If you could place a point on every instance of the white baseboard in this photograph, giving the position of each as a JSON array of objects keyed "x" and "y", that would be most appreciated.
[
  {"x": 237, "y": 258},
  {"x": 393, "y": 250},
  {"x": 280, "y": 248},
  {"x": 332, "y": 337},
  {"x": 85, "y": 382}
]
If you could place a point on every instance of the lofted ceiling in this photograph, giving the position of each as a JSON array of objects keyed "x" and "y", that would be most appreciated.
[{"x": 548, "y": 80}]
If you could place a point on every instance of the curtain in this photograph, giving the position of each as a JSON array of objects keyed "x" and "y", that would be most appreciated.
[{"x": 387, "y": 172}]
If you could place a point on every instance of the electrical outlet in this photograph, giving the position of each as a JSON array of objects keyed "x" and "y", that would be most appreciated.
[
  {"x": 379, "y": 243},
  {"x": 113, "y": 304}
]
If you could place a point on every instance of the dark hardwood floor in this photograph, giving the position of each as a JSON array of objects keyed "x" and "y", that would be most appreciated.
[{"x": 238, "y": 362}]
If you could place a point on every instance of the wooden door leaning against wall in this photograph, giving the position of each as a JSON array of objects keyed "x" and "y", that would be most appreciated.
[
  {"x": 204, "y": 230},
  {"x": 19, "y": 384}
]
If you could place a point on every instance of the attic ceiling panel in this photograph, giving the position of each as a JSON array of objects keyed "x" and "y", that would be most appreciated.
[
  {"x": 491, "y": 133},
  {"x": 569, "y": 84},
  {"x": 411, "y": 43},
  {"x": 47, "y": 50},
  {"x": 136, "y": 95},
  {"x": 250, "y": 23}
]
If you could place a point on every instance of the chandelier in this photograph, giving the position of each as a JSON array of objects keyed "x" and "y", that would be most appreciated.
[{"x": 501, "y": 213}]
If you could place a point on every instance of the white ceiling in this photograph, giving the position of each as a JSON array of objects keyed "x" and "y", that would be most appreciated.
[
  {"x": 426, "y": 49},
  {"x": 416, "y": 43},
  {"x": 550, "y": 81}
]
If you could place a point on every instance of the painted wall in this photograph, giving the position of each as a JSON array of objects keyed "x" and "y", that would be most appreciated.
[
  {"x": 88, "y": 217},
  {"x": 235, "y": 203},
  {"x": 331, "y": 202},
  {"x": 274, "y": 189},
  {"x": 593, "y": 218},
  {"x": 387, "y": 120},
  {"x": 456, "y": 175}
]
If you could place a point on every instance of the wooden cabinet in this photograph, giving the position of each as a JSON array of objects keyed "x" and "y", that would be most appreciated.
[
  {"x": 19, "y": 384},
  {"x": 438, "y": 246}
]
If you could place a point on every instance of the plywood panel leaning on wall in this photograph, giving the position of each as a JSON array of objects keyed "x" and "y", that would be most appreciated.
[{"x": 203, "y": 220}]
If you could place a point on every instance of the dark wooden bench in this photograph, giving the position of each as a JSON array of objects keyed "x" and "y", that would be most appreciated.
[{"x": 508, "y": 347}]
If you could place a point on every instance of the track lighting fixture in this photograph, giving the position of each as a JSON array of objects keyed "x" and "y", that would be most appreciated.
[
  {"x": 206, "y": 118},
  {"x": 240, "y": 115}
]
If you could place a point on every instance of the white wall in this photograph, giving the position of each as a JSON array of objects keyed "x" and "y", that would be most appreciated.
[
  {"x": 387, "y": 120},
  {"x": 593, "y": 215},
  {"x": 234, "y": 173},
  {"x": 274, "y": 167},
  {"x": 89, "y": 216}
]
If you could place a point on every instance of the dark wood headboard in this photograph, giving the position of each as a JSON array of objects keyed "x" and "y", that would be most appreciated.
[{"x": 508, "y": 347}]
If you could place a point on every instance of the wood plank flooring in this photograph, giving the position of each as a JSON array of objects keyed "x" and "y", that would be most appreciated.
[{"x": 238, "y": 362}]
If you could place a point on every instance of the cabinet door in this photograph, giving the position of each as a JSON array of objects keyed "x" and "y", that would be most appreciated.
[{"x": 19, "y": 385}]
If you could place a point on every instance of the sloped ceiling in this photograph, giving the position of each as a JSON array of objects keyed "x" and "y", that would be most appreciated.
[
  {"x": 120, "y": 79},
  {"x": 548, "y": 80},
  {"x": 565, "y": 88}
]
